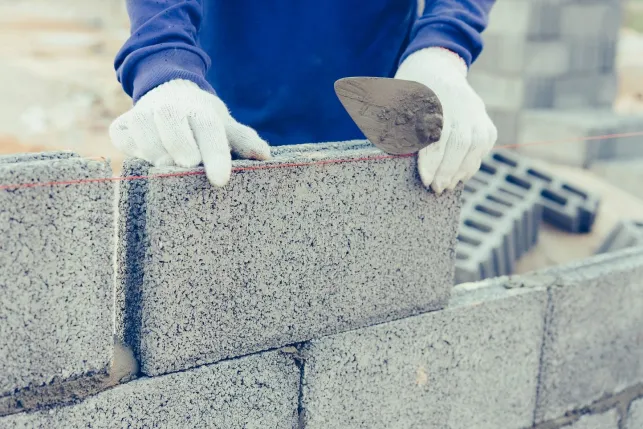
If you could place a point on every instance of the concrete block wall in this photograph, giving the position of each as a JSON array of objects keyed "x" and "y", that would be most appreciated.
[
  {"x": 395, "y": 347},
  {"x": 56, "y": 281},
  {"x": 547, "y": 73}
]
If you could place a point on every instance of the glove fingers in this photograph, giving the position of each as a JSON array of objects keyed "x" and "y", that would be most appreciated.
[
  {"x": 121, "y": 137},
  {"x": 430, "y": 157},
  {"x": 245, "y": 142},
  {"x": 148, "y": 140},
  {"x": 458, "y": 145},
  {"x": 213, "y": 144},
  {"x": 176, "y": 136}
]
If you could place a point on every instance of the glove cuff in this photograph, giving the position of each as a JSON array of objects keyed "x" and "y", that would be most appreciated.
[{"x": 440, "y": 60}]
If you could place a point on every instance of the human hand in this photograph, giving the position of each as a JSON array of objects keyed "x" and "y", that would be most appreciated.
[
  {"x": 178, "y": 123},
  {"x": 468, "y": 133}
]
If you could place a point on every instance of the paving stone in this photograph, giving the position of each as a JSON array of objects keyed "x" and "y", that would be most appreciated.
[
  {"x": 472, "y": 365},
  {"x": 255, "y": 392},
  {"x": 635, "y": 415},
  {"x": 57, "y": 272},
  {"x": 593, "y": 343},
  {"x": 284, "y": 254},
  {"x": 608, "y": 420}
]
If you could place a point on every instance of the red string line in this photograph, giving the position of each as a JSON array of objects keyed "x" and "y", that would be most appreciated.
[{"x": 290, "y": 165}]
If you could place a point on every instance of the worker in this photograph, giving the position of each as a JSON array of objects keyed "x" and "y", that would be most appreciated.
[{"x": 208, "y": 77}]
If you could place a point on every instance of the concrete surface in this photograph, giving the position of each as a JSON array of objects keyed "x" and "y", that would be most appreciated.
[
  {"x": 557, "y": 247},
  {"x": 257, "y": 392},
  {"x": 281, "y": 255},
  {"x": 593, "y": 344},
  {"x": 472, "y": 365},
  {"x": 607, "y": 420},
  {"x": 635, "y": 415},
  {"x": 56, "y": 280},
  {"x": 624, "y": 173}
]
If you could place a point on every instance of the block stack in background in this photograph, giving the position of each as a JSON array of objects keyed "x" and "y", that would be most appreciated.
[{"x": 548, "y": 74}]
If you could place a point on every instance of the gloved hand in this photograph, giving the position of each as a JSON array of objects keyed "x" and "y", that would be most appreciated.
[
  {"x": 468, "y": 133},
  {"x": 178, "y": 123}
]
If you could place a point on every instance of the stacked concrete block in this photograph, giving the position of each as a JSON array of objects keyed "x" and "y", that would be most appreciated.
[
  {"x": 554, "y": 54},
  {"x": 293, "y": 248},
  {"x": 56, "y": 276},
  {"x": 503, "y": 206},
  {"x": 593, "y": 346},
  {"x": 635, "y": 415},
  {"x": 454, "y": 368},
  {"x": 627, "y": 233},
  {"x": 255, "y": 392},
  {"x": 562, "y": 136}
]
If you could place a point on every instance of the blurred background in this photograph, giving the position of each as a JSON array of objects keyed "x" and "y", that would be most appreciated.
[
  {"x": 58, "y": 88},
  {"x": 551, "y": 70}
]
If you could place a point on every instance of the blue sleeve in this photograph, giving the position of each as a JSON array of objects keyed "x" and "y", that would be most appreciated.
[
  {"x": 163, "y": 46},
  {"x": 452, "y": 24}
]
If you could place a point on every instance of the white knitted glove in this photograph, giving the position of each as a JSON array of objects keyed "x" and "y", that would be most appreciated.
[
  {"x": 468, "y": 133},
  {"x": 178, "y": 123}
]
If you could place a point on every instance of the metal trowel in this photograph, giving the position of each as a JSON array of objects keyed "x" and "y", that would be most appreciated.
[{"x": 398, "y": 116}]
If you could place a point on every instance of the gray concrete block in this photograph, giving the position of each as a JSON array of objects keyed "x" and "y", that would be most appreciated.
[
  {"x": 514, "y": 55},
  {"x": 635, "y": 415},
  {"x": 258, "y": 392},
  {"x": 525, "y": 19},
  {"x": 294, "y": 248},
  {"x": 593, "y": 344},
  {"x": 608, "y": 420},
  {"x": 588, "y": 20},
  {"x": 627, "y": 233},
  {"x": 40, "y": 156},
  {"x": 583, "y": 91},
  {"x": 56, "y": 280},
  {"x": 572, "y": 135},
  {"x": 472, "y": 365},
  {"x": 512, "y": 93}
]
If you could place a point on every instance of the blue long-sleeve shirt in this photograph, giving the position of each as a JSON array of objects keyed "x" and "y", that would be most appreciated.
[{"x": 274, "y": 62}]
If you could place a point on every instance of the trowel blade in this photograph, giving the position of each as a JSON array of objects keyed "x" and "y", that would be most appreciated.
[{"x": 398, "y": 116}]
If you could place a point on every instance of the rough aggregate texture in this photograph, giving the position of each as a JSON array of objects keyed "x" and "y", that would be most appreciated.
[
  {"x": 257, "y": 392},
  {"x": 471, "y": 365},
  {"x": 56, "y": 276},
  {"x": 593, "y": 339},
  {"x": 635, "y": 415},
  {"x": 281, "y": 255},
  {"x": 607, "y": 420}
]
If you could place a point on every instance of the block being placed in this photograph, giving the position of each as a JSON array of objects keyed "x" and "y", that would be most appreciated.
[
  {"x": 56, "y": 280},
  {"x": 627, "y": 233},
  {"x": 594, "y": 345},
  {"x": 471, "y": 365},
  {"x": 311, "y": 243},
  {"x": 255, "y": 392}
]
